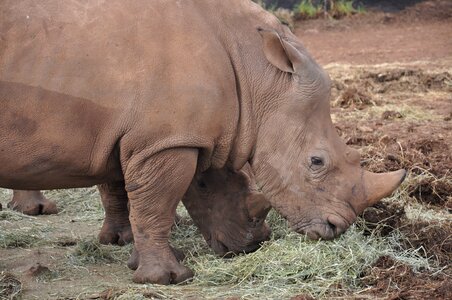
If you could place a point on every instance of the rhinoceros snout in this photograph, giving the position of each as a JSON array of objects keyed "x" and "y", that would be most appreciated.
[
  {"x": 326, "y": 229},
  {"x": 227, "y": 246}
]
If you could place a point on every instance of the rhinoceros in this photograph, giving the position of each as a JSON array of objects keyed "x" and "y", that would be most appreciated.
[
  {"x": 226, "y": 206},
  {"x": 32, "y": 203},
  {"x": 153, "y": 93}
]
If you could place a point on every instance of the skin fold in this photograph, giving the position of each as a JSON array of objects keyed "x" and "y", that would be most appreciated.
[{"x": 153, "y": 94}]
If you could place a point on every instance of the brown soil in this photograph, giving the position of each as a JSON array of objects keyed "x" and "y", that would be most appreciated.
[
  {"x": 417, "y": 140},
  {"x": 387, "y": 279},
  {"x": 383, "y": 218},
  {"x": 433, "y": 240},
  {"x": 398, "y": 114},
  {"x": 421, "y": 32},
  {"x": 421, "y": 148}
]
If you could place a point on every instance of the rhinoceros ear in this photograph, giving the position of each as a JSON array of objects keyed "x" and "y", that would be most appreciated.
[{"x": 279, "y": 52}]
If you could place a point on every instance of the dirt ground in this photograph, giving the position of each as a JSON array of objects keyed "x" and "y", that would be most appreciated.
[
  {"x": 391, "y": 99},
  {"x": 419, "y": 32}
]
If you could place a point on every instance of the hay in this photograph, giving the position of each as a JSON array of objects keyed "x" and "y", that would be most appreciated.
[
  {"x": 21, "y": 238},
  {"x": 283, "y": 267},
  {"x": 90, "y": 251},
  {"x": 10, "y": 286},
  {"x": 84, "y": 204}
]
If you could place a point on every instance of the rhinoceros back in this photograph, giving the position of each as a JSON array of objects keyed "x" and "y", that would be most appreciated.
[{"x": 85, "y": 72}]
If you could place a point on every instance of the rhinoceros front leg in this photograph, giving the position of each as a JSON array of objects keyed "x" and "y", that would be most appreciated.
[
  {"x": 32, "y": 203},
  {"x": 116, "y": 227},
  {"x": 134, "y": 259},
  {"x": 155, "y": 186}
]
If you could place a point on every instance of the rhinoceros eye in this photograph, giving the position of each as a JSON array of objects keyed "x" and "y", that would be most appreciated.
[{"x": 316, "y": 162}]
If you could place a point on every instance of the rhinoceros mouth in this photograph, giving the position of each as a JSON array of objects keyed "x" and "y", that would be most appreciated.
[
  {"x": 321, "y": 229},
  {"x": 226, "y": 250}
]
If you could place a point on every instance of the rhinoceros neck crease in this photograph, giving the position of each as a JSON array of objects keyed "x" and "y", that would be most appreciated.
[
  {"x": 256, "y": 90},
  {"x": 257, "y": 96}
]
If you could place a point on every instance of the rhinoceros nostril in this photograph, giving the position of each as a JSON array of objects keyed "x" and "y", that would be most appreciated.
[
  {"x": 40, "y": 209},
  {"x": 332, "y": 226}
]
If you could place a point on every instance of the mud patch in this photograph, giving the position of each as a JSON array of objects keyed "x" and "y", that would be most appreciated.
[
  {"x": 398, "y": 281},
  {"x": 433, "y": 240}
]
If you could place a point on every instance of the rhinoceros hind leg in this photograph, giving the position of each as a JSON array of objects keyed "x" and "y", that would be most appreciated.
[
  {"x": 32, "y": 203},
  {"x": 155, "y": 185},
  {"x": 111, "y": 235},
  {"x": 116, "y": 228}
]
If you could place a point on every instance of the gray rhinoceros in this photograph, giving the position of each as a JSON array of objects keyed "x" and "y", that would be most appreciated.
[{"x": 153, "y": 92}]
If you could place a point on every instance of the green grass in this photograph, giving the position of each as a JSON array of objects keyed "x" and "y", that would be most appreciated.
[
  {"x": 307, "y": 10},
  {"x": 343, "y": 8}
]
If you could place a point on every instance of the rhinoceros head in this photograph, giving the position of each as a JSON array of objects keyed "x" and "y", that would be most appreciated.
[
  {"x": 228, "y": 210},
  {"x": 307, "y": 172}
]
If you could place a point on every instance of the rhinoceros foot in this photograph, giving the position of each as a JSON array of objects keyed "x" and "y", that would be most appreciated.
[
  {"x": 115, "y": 234},
  {"x": 161, "y": 270},
  {"x": 32, "y": 203},
  {"x": 134, "y": 259}
]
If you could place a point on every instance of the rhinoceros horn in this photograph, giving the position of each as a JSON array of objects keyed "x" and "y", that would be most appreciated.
[{"x": 380, "y": 185}]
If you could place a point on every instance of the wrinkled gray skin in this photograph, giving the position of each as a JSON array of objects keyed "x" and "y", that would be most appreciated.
[{"x": 153, "y": 92}]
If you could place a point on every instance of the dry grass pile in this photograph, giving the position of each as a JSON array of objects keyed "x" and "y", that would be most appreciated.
[
  {"x": 384, "y": 80},
  {"x": 10, "y": 286},
  {"x": 284, "y": 267},
  {"x": 90, "y": 251},
  {"x": 23, "y": 238},
  {"x": 353, "y": 98},
  {"x": 86, "y": 200}
]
